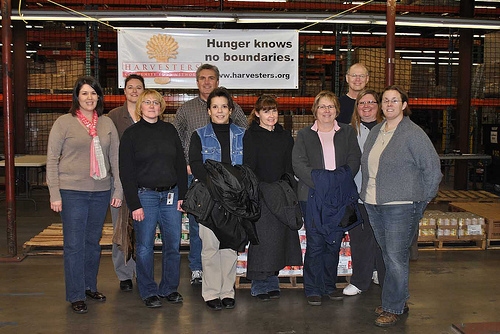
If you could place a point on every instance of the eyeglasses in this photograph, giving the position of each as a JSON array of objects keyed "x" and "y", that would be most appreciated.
[
  {"x": 149, "y": 102},
  {"x": 361, "y": 76},
  {"x": 331, "y": 107},
  {"x": 363, "y": 103},
  {"x": 394, "y": 101}
]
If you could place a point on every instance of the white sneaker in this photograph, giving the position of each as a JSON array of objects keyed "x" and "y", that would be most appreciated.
[
  {"x": 375, "y": 277},
  {"x": 351, "y": 290},
  {"x": 196, "y": 277}
]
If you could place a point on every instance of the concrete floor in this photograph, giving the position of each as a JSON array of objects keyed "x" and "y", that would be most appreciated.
[{"x": 446, "y": 288}]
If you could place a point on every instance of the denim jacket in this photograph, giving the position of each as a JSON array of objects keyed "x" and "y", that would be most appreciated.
[{"x": 211, "y": 147}]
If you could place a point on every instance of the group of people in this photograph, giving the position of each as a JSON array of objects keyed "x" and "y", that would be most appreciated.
[{"x": 358, "y": 145}]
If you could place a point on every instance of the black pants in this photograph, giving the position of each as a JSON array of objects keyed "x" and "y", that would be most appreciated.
[{"x": 366, "y": 254}]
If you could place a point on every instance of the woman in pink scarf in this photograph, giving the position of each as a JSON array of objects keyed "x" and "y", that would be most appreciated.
[{"x": 82, "y": 155}]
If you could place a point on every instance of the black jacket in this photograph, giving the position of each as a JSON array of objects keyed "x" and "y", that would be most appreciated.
[
  {"x": 228, "y": 205},
  {"x": 280, "y": 219}
]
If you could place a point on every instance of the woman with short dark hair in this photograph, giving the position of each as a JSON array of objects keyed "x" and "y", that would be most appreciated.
[{"x": 222, "y": 141}]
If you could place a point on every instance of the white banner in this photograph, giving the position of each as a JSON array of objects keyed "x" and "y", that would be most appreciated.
[{"x": 247, "y": 59}]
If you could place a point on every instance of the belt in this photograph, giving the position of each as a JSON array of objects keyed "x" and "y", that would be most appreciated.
[{"x": 159, "y": 189}]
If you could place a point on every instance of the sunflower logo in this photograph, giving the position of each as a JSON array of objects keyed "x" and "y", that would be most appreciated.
[{"x": 162, "y": 48}]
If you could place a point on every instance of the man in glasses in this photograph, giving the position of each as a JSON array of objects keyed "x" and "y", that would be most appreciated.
[
  {"x": 357, "y": 77},
  {"x": 190, "y": 116}
]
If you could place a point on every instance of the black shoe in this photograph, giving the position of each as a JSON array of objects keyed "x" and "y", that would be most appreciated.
[
  {"x": 79, "y": 307},
  {"x": 126, "y": 285},
  {"x": 263, "y": 297},
  {"x": 152, "y": 302},
  {"x": 173, "y": 298},
  {"x": 228, "y": 303},
  {"x": 336, "y": 295},
  {"x": 214, "y": 304},
  {"x": 314, "y": 300},
  {"x": 276, "y": 294},
  {"x": 95, "y": 295}
]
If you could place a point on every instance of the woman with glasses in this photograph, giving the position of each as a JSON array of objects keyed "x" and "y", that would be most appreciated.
[
  {"x": 401, "y": 172},
  {"x": 267, "y": 150},
  {"x": 82, "y": 156},
  {"x": 326, "y": 145},
  {"x": 365, "y": 252},
  {"x": 154, "y": 178}
]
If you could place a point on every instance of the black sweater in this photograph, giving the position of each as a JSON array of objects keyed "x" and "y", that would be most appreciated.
[
  {"x": 151, "y": 156},
  {"x": 196, "y": 157},
  {"x": 268, "y": 153}
]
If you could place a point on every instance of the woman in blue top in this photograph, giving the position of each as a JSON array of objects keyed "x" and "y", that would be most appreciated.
[{"x": 219, "y": 140}]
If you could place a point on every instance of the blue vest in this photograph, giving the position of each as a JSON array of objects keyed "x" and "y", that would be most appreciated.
[{"x": 210, "y": 146}]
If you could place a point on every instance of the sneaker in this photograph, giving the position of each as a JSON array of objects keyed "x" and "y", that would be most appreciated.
[
  {"x": 375, "y": 277},
  {"x": 196, "y": 277},
  {"x": 351, "y": 290}
]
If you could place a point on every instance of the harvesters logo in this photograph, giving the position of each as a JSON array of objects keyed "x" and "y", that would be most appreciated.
[{"x": 162, "y": 48}]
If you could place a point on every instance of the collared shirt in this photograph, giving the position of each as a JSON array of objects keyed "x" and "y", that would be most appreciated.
[{"x": 193, "y": 115}]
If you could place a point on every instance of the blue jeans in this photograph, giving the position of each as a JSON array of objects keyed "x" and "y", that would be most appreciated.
[
  {"x": 271, "y": 283},
  {"x": 394, "y": 227},
  {"x": 156, "y": 210},
  {"x": 83, "y": 214},
  {"x": 194, "y": 240},
  {"x": 321, "y": 260}
]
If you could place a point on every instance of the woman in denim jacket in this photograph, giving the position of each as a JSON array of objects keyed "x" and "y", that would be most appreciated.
[{"x": 219, "y": 140}]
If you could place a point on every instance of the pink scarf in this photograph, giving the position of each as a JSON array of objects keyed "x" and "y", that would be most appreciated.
[{"x": 97, "y": 166}]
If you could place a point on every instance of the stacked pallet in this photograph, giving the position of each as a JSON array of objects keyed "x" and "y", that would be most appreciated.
[
  {"x": 466, "y": 196},
  {"x": 447, "y": 228},
  {"x": 492, "y": 65},
  {"x": 374, "y": 59},
  {"x": 491, "y": 212},
  {"x": 56, "y": 75},
  {"x": 51, "y": 239}
]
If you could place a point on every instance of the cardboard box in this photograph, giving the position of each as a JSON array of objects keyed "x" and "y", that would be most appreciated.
[
  {"x": 73, "y": 67},
  {"x": 493, "y": 229},
  {"x": 58, "y": 81},
  {"x": 39, "y": 81}
]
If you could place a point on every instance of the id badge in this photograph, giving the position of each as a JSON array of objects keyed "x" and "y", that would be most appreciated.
[{"x": 170, "y": 198}]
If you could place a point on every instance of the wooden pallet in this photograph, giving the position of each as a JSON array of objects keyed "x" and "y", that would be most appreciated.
[
  {"x": 466, "y": 196},
  {"x": 453, "y": 244},
  {"x": 493, "y": 243},
  {"x": 286, "y": 282},
  {"x": 50, "y": 240}
]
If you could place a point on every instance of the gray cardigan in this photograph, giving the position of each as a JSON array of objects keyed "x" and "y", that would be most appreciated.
[
  {"x": 409, "y": 168},
  {"x": 307, "y": 155}
]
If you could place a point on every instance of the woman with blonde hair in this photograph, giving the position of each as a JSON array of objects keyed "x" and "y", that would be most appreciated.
[
  {"x": 367, "y": 262},
  {"x": 154, "y": 178},
  {"x": 325, "y": 146}
]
